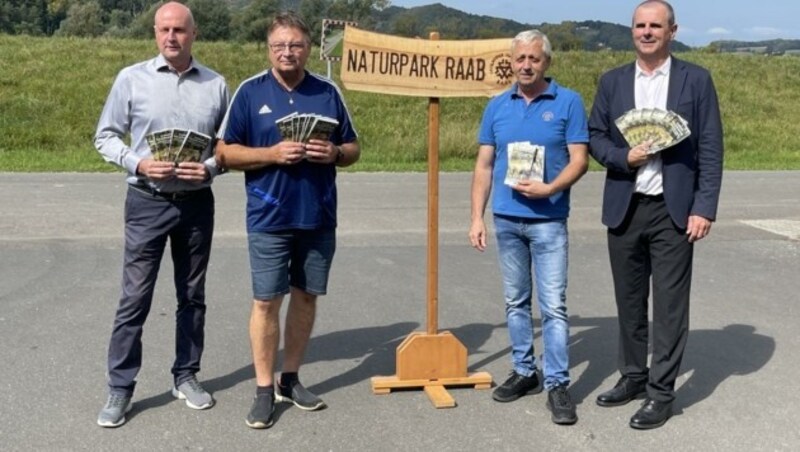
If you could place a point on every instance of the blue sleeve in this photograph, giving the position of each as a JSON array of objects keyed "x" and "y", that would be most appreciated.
[
  {"x": 234, "y": 126},
  {"x": 486, "y": 132},
  {"x": 577, "y": 125},
  {"x": 346, "y": 132}
]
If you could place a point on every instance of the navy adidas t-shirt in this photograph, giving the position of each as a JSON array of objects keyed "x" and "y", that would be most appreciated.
[{"x": 279, "y": 197}]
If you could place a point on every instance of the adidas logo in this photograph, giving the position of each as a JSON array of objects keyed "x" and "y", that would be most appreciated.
[{"x": 264, "y": 110}]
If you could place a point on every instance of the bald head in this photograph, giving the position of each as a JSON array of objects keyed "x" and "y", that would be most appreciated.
[
  {"x": 175, "y": 34},
  {"x": 174, "y": 8}
]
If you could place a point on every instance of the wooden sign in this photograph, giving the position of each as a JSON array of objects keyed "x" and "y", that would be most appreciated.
[
  {"x": 388, "y": 64},
  {"x": 434, "y": 359}
]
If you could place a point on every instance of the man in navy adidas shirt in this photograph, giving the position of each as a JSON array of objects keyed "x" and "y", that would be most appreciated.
[{"x": 291, "y": 204}]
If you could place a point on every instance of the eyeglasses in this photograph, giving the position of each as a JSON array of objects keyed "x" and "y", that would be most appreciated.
[{"x": 292, "y": 46}]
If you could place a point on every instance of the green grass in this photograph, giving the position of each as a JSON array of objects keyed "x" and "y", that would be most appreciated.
[{"x": 53, "y": 89}]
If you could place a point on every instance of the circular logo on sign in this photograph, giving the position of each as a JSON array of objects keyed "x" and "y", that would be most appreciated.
[
  {"x": 548, "y": 116},
  {"x": 501, "y": 68}
]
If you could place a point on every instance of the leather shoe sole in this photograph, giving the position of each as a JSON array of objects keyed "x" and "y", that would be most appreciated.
[
  {"x": 622, "y": 401},
  {"x": 623, "y": 392},
  {"x": 640, "y": 426},
  {"x": 651, "y": 415}
]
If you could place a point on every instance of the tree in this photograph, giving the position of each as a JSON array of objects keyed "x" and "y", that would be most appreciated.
[
  {"x": 56, "y": 12},
  {"x": 356, "y": 10},
  {"x": 405, "y": 25},
  {"x": 250, "y": 24},
  {"x": 6, "y": 19},
  {"x": 118, "y": 21},
  {"x": 83, "y": 19},
  {"x": 142, "y": 24},
  {"x": 24, "y": 17},
  {"x": 213, "y": 19},
  {"x": 133, "y": 7},
  {"x": 313, "y": 11},
  {"x": 562, "y": 36}
]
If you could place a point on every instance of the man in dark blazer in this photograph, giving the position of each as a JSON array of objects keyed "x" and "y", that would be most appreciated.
[{"x": 655, "y": 205}]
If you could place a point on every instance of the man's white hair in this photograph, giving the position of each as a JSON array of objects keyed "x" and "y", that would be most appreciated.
[{"x": 529, "y": 36}]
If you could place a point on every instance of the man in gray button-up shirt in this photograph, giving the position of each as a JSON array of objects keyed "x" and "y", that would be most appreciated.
[{"x": 165, "y": 200}]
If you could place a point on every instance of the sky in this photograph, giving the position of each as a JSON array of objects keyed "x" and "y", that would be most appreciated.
[{"x": 699, "y": 21}]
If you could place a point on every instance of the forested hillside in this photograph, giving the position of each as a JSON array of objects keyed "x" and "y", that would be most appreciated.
[{"x": 245, "y": 20}]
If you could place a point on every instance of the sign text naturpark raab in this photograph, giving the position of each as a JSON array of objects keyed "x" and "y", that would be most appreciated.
[{"x": 387, "y": 64}]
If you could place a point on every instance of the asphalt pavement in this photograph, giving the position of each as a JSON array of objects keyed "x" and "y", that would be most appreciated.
[{"x": 60, "y": 265}]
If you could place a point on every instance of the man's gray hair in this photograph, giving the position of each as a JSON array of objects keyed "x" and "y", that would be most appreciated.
[
  {"x": 529, "y": 36},
  {"x": 665, "y": 4}
]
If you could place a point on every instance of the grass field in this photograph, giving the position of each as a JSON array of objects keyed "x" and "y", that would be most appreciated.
[{"x": 52, "y": 91}]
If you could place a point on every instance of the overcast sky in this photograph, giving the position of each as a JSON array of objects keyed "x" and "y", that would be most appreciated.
[{"x": 699, "y": 21}]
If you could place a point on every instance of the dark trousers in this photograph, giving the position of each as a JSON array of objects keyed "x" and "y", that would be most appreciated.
[
  {"x": 150, "y": 220},
  {"x": 648, "y": 244}
]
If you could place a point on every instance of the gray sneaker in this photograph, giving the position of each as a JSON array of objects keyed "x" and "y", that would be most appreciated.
[
  {"x": 261, "y": 412},
  {"x": 113, "y": 414},
  {"x": 196, "y": 397},
  {"x": 299, "y": 395}
]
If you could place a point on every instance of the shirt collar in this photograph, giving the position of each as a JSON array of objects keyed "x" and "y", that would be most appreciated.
[
  {"x": 162, "y": 65},
  {"x": 661, "y": 70},
  {"x": 551, "y": 91}
]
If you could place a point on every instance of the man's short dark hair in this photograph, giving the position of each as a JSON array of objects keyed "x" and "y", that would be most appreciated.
[{"x": 290, "y": 19}]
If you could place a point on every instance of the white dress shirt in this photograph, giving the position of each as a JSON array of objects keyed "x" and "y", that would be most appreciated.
[{"x": 650, "y": 91}]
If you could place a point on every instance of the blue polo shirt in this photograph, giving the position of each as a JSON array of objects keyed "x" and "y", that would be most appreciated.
[
  {"x": 279, "y": 197},
  {"x": 553, "y": 120}
]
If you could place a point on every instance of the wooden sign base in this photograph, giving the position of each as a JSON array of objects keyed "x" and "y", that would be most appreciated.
[{"x": 432, "y": 361}]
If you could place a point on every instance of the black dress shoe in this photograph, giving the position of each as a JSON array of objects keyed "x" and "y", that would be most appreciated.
[
  {"x": 624, "y": 391},
  {"x": 652, "y": 414}
]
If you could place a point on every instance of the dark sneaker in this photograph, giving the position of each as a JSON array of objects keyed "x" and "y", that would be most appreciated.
[
  {"x": 196, "y": 397},
  {"x": 113, "y": 414},
  {"x": 299, "y": 395},
  {"x": 561, "y": 407},
  {"x": 517, "y": 386},
  {"x": 261, "y": 412}
]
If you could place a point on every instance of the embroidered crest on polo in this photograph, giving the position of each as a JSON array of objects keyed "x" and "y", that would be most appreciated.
[
  {"x": 264, "y": 110},
  {"x": 548, "y": 116}
]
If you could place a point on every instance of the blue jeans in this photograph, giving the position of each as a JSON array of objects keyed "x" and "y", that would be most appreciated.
[
  {"x": 523, "y": 243},
  {"x": 293, "y": 257}
]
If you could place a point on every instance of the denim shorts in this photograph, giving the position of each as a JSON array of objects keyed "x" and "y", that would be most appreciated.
[{"x": 297, "y": 258}]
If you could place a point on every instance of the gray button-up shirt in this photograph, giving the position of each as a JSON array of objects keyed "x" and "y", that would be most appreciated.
[{"x": 150, "y": 96}]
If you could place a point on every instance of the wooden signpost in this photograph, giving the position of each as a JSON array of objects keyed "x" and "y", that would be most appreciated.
[{"x": 431, "y": 360}]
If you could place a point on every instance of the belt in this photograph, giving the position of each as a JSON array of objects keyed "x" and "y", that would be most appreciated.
[
  {"x": 643, "y": 197},
  {"x": 171, "y": 196}
]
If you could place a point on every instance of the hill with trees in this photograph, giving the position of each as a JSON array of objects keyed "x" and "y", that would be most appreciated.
[
  {"x": 771, "y": 47},
  {"x": 246, "y": 20}
]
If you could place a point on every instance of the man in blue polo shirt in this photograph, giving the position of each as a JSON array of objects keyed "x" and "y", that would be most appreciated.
[
  {"x": 544, "y": 126},
  {"x": 291, "y": 204}
]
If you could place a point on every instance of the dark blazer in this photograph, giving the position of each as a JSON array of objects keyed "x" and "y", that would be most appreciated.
[{"x": 692, "y": 170}]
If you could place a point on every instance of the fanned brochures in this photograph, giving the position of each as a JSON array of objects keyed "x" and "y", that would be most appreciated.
[
  {"x": 307, "y": 126},
  {"x": 525, "y": 162},
  {"x": 177, "y": 145},
  {"x": 661, "y": 128}
]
